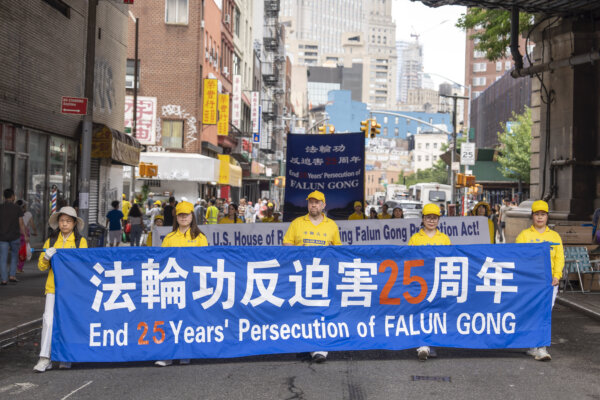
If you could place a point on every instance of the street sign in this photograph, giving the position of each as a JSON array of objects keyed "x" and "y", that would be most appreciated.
[
  {"x": 74, "y": 105},
  {"x": 455, "y": 166},
  {"x": 256, "y": 138},
  {"x": 467, "y": 153}
]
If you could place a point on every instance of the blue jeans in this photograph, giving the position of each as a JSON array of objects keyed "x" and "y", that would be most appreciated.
[{"x": 12, "y": 246}]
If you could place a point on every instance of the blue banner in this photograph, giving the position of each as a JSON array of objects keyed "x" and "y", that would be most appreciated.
[
  {"x": 332, "y": 164},
  {"x": 133, "y": 304}
]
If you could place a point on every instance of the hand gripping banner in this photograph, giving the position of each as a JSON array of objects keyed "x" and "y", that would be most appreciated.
[{"x": 134, "y": 304}]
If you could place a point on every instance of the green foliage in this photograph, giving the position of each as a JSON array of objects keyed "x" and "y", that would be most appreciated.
[
  {"x": 438, "y": 173},
  {"x": 492, "y": 29},
  {"x": 515, "y": 147}
]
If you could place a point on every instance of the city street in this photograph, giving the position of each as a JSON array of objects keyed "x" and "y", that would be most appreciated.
[{"x": 456, "y": 374}]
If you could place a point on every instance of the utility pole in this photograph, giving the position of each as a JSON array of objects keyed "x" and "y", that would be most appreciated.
[{"x": 88, "y": 119}]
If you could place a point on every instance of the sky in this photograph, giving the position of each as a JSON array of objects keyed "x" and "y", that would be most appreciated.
[{"x": 443, "y": 43}]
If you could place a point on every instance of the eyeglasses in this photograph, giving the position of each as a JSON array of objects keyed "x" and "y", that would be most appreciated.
[{"x": 431, "y": 217}]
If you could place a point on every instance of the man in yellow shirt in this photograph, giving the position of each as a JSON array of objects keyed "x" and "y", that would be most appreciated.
[
  {"x": 429, "y": 235},
  {"x": 384, "y": 212},
  {"x": 539, "y": 232},
  {"x": 313, "y": 229},
  {"x": 357, "y": 214}
]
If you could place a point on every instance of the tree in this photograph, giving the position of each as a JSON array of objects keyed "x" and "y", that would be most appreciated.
[
  {"x": 492, "y": 29},
  {"x": 515, "y": 147}
]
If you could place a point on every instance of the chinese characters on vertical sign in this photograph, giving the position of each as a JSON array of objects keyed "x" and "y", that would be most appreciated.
[
  {"x": 145, "y": 131},
  {"x": 255, "y": 114},
  {"x": 236, "y": 104},
  {"x": 209, "y": 104},
  {"x": 223, "y": 125}
]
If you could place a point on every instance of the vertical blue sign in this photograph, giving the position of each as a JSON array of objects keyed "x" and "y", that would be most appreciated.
[{"x": 332, "y": 164}]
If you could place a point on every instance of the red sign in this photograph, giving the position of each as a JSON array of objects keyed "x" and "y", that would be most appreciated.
[
  {"x": 127, "y": 1},
  {"x": 74, "y": 105}
]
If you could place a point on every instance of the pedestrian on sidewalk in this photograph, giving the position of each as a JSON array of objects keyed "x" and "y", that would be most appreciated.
[
  {"x": 67, "y": 225},
  {"x": 11, "y": 229},
  {"x": 29, "y": 230},
  {"x": 137, "y": 225},
  {"x": 536, "y": 233},
  {"x": 114, "y": 223}
]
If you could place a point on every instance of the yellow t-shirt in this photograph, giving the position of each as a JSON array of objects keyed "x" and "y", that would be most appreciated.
[
  {"x": 384, "y": 216},
  {"x": 268, "y": 219},
  {"x": 227, "y": 220},
  {"x": 355, "y": 216},
  {"x": 557, "y": 254},
  {"x": 178, "y": 239},
  {"x": 125, "y": 209},
  {"x": 302, "y": 232},
  {"x": 60, "y": 243},
  {"x": 422, "y": 239}
]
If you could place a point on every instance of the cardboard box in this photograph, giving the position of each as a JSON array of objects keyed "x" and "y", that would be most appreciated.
[
  {"x": 574, "y": 234},
  {"x": 591, "y": 282}
]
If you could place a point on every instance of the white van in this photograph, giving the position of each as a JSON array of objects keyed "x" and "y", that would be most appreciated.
[{"x": 426, "y": 193}]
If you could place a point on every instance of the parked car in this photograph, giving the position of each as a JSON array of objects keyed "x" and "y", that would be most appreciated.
[{"x": 410, "y": 208}]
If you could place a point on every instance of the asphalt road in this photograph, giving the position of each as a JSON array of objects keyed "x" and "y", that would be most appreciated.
[{"x": 455, "y": 374}]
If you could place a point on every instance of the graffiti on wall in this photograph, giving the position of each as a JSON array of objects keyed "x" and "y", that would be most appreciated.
[{"x": 104, "y": 87}]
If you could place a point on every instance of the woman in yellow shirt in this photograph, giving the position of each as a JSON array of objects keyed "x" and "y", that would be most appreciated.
[
  {"x": 539, "y": 232},
  {"x": 482, "y": 209},
  {"x": 429, "y": 235},
  {"x": 232, "y": 215},
  {"x": 67, "y": 237},
  {"x": 185, "y": 234}
]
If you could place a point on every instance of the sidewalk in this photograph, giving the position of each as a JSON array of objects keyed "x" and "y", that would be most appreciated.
[{"x": 586, "y": 303}]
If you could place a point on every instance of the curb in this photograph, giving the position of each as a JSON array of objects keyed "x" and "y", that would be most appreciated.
[
  {"x": 11, "y": 336},
  {"x": 578, "y": 307}
]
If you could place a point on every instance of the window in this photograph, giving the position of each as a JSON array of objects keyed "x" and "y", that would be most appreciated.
[
  {"x": 479, "y": 67},
  {"x": 176, "y": 12},
  {"x": 418, "y": 158},
  {"x": 129, "y": 74},
  {"x": 236, "y": 22},
  {"x": 426, "y": 158},
  {"x": 498, "y": 65},
  {"x": 397, "y": 120},
  {"x": 435, "y": 145},
  {"x": 478, "y": 54},
  {"x": 507, "y": 65},
  {"x": 396, "y": 132},
  {"x": 385, "y": 131},
  {"x": 385, "y": 120},
  {"x": 172, "y": 134},
  {"x": 419, "y": 146},
  {"x": 479, "y": 81},
  {"x": 426, "y": 145}
]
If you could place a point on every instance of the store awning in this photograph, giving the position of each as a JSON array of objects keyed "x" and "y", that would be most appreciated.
[
  {"x": 230, "y": 173},
  {"x": 117, "y": 146},
  {"x": 183, "y": 166}
]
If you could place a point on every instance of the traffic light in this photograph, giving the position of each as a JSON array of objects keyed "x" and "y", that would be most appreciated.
[
  {"x": 460, "y": 180},
  {"x": 279, "y": 181},
  {"x": 375, "y": 128},
  {"x": 470, "y": 180},
  {"x": 365, "y": 126},
  {"x": 331, "y": 129},
  {"x": 148, "y": 170},
  {"x": 322, "y": 130}
]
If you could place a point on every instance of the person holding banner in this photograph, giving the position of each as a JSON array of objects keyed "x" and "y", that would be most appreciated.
[
  {"x": 185, "y": 234},
  {"x": 429, "y": 235},
  {"x": 268, "y": 215},
  {"x": 158, "y": 221},
  {"x": 357, "y": 214},
  {"x": 373, "y": 214},
  {"x": 397, "y": 213},
  {"x": 232, "y": 215},
  {"x": 66, "y": 237},
  {"x": 483, "y": 209},
  {"x": 304, "y": 231},
  {"x": 536, "y": 233},
  {"x": 384, "y": 212}
]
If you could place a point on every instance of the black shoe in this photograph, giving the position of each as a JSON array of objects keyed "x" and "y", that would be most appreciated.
[
  {"x": 319, "y": 358},
  {"x": 3, "y": 283}
]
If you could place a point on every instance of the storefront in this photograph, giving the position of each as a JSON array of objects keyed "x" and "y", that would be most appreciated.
[
  {"x": 41, "y": 168},
  {"x": 230, "y": 178},
  {"x": 186, "y": 175}
]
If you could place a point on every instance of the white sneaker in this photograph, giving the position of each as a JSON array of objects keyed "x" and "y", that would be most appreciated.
[
  {"x": 533, "y": 351},
  {"x": 542, "y": 355},
  {"x": 64, "y": 365},
  {"x": 43, "y": 365},
  {"x": 163, "y": 363},
  {"x": 184, "y": 361},
  {"x": 423, "y": 353}
]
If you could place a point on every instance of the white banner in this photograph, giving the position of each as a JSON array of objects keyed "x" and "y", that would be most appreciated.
[
  {"x": 255, "y": 112},
  {"x": 236, "y": 104},
  {"x": 461, "y": 230}
]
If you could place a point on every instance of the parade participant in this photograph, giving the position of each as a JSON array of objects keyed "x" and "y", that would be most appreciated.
[
  {"x": 482, "y": 209},
  {"x": 268, "y": 214},
  {"x": 384, "y": 212},
  {"x": 185, "y": 234},
  {"x": 125, "y": 208},
  {"x": 114, "y": 221},
  {"x": 357, "y": 214},
  {"x": 158, "y": 221},
  {"x": 373, "y": 214},
  {"x": 212, "y": 213},
  {"x": 66, "y": 237},
  {"x": 169, "y": 212},
  {"x": 304, "y": 231},
  {"x": 232, "y": 215},
  {"x": 536, "y": 233},
  {"x": 397, "y": 213},
  {"x": 429, "y": 235}
]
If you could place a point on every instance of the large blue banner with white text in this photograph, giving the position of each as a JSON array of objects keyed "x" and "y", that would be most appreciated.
[
  {"x": 332, "y": 164},
  {"x": 133, "y": 304}
]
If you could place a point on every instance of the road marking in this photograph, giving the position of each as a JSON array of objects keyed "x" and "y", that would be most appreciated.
[
  {"x": 17, "y": 387},
  {"x": 76, "y": 390}
]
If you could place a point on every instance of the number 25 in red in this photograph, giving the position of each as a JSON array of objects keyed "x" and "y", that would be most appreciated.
[{"x": 407, "y": 279}]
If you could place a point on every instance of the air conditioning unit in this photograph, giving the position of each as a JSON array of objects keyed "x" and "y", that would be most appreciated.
[
  {"x": 227, "y": 19},
  {"x": 129, "y": 81},
  {"x": 225, "y": 71},
  {"x": 215, "y": 63},
  {"x": 206, "y": 54},
  {"x": 202, "y": 24}
]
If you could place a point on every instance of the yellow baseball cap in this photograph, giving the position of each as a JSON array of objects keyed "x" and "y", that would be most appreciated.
[
  {"x": 539, "y": 205},
  {"x": 157, "y": 203},
  {"x": 184, "y": 207},
  {"x": 357, "y": 203},
  {"x": 159, "y": 216},
  {"x": 317, "y": 196},
  {"x": 430, "y": 209},
  {"x": 123, "y": 195},
  {"x": 270, "y": 205}
]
